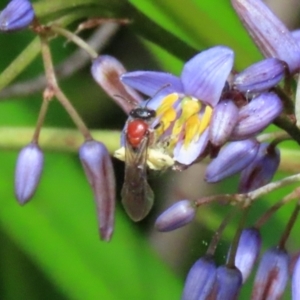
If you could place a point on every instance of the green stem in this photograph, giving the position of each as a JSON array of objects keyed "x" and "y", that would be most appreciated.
[
  {"x": 75, "y": 39},
  {"x": 57, "y": 139}
]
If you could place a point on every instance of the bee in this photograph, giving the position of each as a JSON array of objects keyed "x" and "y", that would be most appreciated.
[{"x": 137, "y": 195}]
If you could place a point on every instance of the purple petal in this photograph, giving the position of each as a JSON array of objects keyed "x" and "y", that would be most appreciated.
[
  {"x": 268, "y": 32},
  {"x": 272, "y": 275},
  {"x": 260, "y": 76},
  {"x": 150, "y": 83},
  {"x": 257, "y": 115},
  {"x": 296, "y": 280},
  {"x": 186, "y": 156},
  {"x": 17, "y": 15},
  {"x": 204, "y": 76},
  {"x": 106, "y": 71},
  {"x": 200, "y": 280},
  {"x": 296, "y": 35},
  {"x": 28, "y": 172},
  {"x": 176, "y": 216},
  {"x": 224, "y": 118},
  {"x": 261, "y": 170},
  {"x": 98, "y": 168},
  {"x": 247, "y": 251},
  {"x": 233, "y": 158},
  {"x": 228, "y": 283}
]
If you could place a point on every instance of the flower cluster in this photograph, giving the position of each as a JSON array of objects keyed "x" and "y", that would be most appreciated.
[{"x": 210, "y": 112}]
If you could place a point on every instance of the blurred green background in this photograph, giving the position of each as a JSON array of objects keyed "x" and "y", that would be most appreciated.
[{"x": 50, "y": 248}]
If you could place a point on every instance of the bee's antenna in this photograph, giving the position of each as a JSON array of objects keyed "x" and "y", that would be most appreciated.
[{"x": 157, "y": 92}]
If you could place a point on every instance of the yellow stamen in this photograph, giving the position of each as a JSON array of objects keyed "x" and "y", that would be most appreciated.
[
  {"x": 205, "y": 119},
  {"x": 192, "y": 126},
  {"x": 189, "y": 107},
  {"x": 167, "y": 102}
]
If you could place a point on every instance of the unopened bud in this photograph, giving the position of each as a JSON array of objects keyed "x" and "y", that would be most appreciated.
[
  {"x": 296, "y": 280},
  {"x": 268, "y": 32},
  {"x": 176, "y": 216},
  {"x": 247, "y": 251},
  {"x": 106, "y": 71},
  {"x": 17, "y": 15},
  {"x": 272, "y": 275},
  {"x": 99, "y": 170},
  {"x": 28, "y": 172},
  {"x": 260, "y": 77},
  {"x": 233, "y": 158},
  {"x": 228, "y": 283},
  {"x": 200, "y": 280}
]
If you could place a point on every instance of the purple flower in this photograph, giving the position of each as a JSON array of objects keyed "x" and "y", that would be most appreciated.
[
  {"x": 296, "y": 280},
  {"x": 233, "y": 158},
  {"x": 184, "y": 106},
  {"x": 247, "y": 251},
  {"x": 200, "y": 280},
  {"x": 261, "y": 170},
  {"x": 272, "y": 275},
  {"x": 28, "y": 172},
  {"x": 176, "y": 216},
  {"x": 260, "y": 76},
  {"x": 17, "y": 15},
  {"x": 268, "y": 32},
  {"x": 106, "y": 71},
  {"x": 98, "y": 168},
  {"x": 228, "y": 283}
]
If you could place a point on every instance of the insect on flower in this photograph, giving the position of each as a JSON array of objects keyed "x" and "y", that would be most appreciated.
[{"x": 137, "y": 195}]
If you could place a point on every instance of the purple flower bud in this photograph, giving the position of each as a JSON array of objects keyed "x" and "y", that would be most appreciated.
[
  {"x": 99, "y": 170},
  {"x": 268, "y": 32},
  {"x": 106, "y": 71},
  {"x": 257, "y": 115},
  {"x": 176, "y": 216},
  {"x": 28, "y": 172},
  {"x": 272, "y": 275},
  {"x": 261, "y": 170},
  {"x": 224, "y": 118},
  {"x": 200, "y": 280},
  {"x": 228, "y": 283},
  {"x": 18, "y": 14},
  {"x": 296, "y": 280},
  {"x": 247, "y": 251},
  {"x": 260, "y": 77},
  {"x": 296, "y": 35},
  {"x": 233, "y": 158}
]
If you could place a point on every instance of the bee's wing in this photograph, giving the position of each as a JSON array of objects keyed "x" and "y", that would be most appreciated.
[{"x": 137, "y": 196}]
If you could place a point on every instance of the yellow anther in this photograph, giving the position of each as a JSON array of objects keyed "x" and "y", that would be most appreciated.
[
  {"x": 167, "y": 102},
  {"x": 190, "y": 107},
  {"x": 168, "y": 117},
  {"x": 192, "y": 126},
  {"x": 205, "y": 119}
]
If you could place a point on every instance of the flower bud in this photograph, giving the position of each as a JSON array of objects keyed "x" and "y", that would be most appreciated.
[
  {"x": 17, "y": 15},
  {"x": 233, "y": 158},
  {"x": 28, "y": 172},
  {"x": 268, "y": 32},
  {"x": 296, "y": 280},
  {"x": 260, "y": 77},
  {"x": 106, "y": 71},
  {"x": 247, "y": 251},
  {"x": 261, "y": 170},
  {"x": 176, "y": 216},
  {"x": 296, "y": 35},
  {"x": 257, "y": 115},
  {"x": 99, "y": 170},
  {"x": 272, "y": 275},
  {"x": 200, "y": 280},
  {"x": 224, "y": 118},
  {"x": 228, "y": 283}
]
